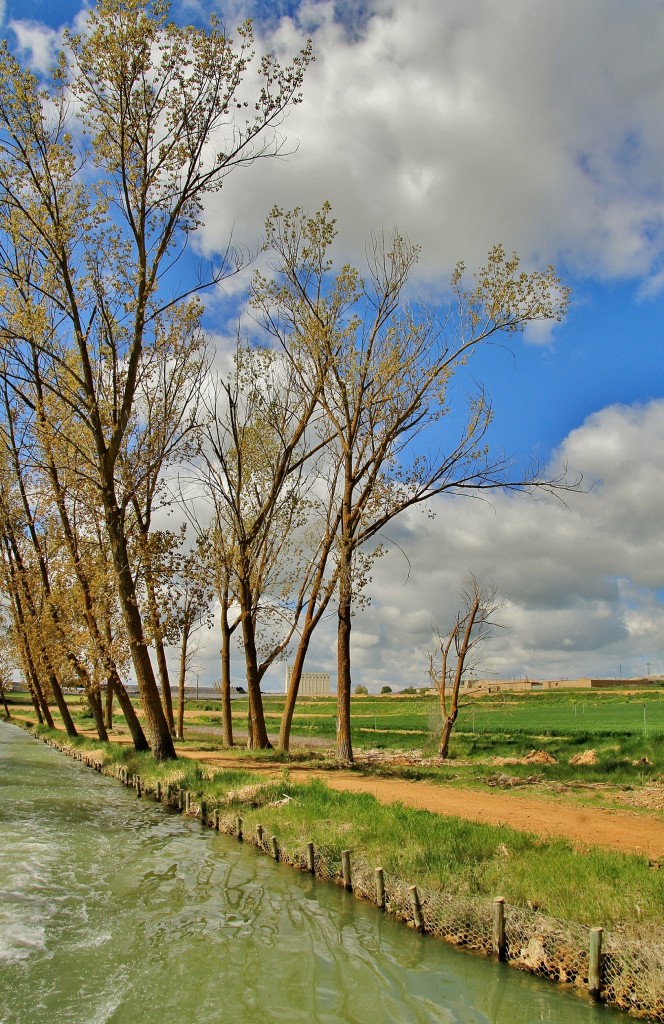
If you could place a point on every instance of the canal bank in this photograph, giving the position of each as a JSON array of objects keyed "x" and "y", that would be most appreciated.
[{"x": 115, "y": 911}]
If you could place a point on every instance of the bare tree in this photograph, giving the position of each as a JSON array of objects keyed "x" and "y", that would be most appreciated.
[{"x": 458, "y": 648}]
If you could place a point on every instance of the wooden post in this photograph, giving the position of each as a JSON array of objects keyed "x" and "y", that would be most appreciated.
[
  {"x": 169, "y": 793},
  {"x": 499, "y": 944},
  {"x": 139, "y": 789},
  {"x": 187, "y": 801},
  {"x": 311, "y": 858},
  {"x": 345, "y": 867},
  {"x": 418, "y": 920},
  {"x": 275, "y": 847},
  {"x": 203, "y": 812},
  {"x": 180, "y": 800},
  {"x": 157, "y": 791},
  {"x": 259, "y": 835},
  {"x": 215, "y": 819},
  {"x": 238, "y": 825},
  {"x": 595, "y": 964},
  {"x": 380, "y": 888}
]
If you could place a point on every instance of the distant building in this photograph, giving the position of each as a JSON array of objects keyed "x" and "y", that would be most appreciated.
[{"x": 312, "y": 684}]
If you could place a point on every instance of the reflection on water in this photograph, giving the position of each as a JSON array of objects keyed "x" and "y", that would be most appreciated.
[{"x": 112, "y": 910}]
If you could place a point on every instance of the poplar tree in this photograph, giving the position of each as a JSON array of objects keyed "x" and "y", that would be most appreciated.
[
  {"x": 104, "y": 169},
  {"x": 382, "y": 371}
]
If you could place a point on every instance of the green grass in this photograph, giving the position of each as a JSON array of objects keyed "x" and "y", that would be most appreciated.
[
  {"x": 563, "y": 722},
  {"x": 597, "y": 888},
  {"x": 458, "y": 856}
]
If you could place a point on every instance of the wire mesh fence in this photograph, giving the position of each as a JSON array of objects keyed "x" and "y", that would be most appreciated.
[
  {"x": 631, "y": 973},
  {"x": 626, "y": 973}
]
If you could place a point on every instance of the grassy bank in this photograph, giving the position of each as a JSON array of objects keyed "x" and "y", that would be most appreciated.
[{"x": 594, "y": 888}]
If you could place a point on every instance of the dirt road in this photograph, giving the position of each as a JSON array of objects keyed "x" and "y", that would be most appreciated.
[{"x": 626, "y": 831}]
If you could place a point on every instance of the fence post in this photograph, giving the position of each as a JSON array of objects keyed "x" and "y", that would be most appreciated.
[
  {"x": 239, "y": 829},
  {"x": 595, "y": 964},
  {"x": 499, "y": 944},
  {"x": 311, "y": 858},
  {"x": 259, "y": 835},
  {"x": 180, "y": 800},
  {"x": 157, "y": 791},
  {"x": 380, "y": 888},
  {"x": 137, "y": 780},
  {"x": 345, "y": 867},
  {"x": 418, "y": 920},
  {"x": 203, "y": 811},
  {"x": 215, "y": 819},
  {"x": 275, "y": 847}
]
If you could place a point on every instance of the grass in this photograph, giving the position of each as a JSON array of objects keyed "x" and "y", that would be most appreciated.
[
  {"x": 507, "y": 725},
  {"x": 457, "y": 856},
  {"x": 597, "y": 888}
]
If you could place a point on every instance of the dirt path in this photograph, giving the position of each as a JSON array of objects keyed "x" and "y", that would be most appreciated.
[{"x": 625, "y": 831}]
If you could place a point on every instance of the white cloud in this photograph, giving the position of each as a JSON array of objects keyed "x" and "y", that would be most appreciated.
[
  {"x": 37, "y": 43},
  {"x": 582, "y": 584},
  {"x": 468, "y": 123}
]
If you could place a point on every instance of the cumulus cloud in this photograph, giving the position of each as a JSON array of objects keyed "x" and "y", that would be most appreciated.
[
  {"x": 467, "y": 123},
  {"x": 582, "y": 582}
]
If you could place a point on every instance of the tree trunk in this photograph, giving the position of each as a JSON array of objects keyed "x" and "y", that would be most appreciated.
[
  {"x": 257, "y": 738},
  {"x": 43, "y": 703},
  {"x": 181, "y": 681},
  {"x": 108, "y": 708},
  {"x": 448, "y": 725},
  {"x": 344, "y": 743},
  {"x": 35, "y": 702},
  {"x": 157, "y": 725},
  {"x": 20, "y": 582},
  {"x": 226, "y": 707},
  {"x": 314, "y": 613},
  {"x": 155, "y": 625},
  {"x": 29, "y": 667},
  {"x": 4, "y": 700},
  {"x": 95, "y": 705},
  {"x": 131, "y": 718},
  {"x": 291, "y": 697}
]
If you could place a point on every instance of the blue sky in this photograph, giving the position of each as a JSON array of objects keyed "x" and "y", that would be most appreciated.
[{"x": 468, "y": 123}]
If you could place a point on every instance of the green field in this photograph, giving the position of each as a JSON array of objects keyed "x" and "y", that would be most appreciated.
[
  {"x": 621, "y": 727},
  {"x": 533, "y": 714}
]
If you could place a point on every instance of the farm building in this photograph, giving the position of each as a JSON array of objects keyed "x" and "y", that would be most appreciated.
[{"x": 312, "y": 684}]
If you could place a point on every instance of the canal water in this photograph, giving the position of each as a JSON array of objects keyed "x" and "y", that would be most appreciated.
[{"x": 113, "y": 910}]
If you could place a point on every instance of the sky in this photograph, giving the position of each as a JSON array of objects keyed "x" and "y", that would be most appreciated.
[{"x": 465, "y": 123}]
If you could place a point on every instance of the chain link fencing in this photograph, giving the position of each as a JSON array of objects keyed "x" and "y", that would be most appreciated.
[{"x": 624, "y": 972}]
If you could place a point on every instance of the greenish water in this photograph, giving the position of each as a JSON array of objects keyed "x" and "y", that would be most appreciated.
[{"x": 112, "y": 910}]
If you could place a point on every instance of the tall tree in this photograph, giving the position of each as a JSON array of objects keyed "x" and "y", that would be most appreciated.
[
  {"x": 260, "y": 443},
  {"x": 103, "y": 175},
  {"x": 388, "y": 371}
]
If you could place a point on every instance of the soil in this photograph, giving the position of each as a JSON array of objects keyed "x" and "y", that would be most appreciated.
[
  {"x": 547, "y": 815},
  {"x": 626, "y": 831}
]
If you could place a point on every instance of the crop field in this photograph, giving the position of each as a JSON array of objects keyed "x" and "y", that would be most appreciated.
[
  {"x": 622, "y": 728},
  {"x": 545, "y": 714}
]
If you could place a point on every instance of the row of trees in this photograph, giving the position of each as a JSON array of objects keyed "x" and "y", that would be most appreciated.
[{"x": 339, "y": 414}]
